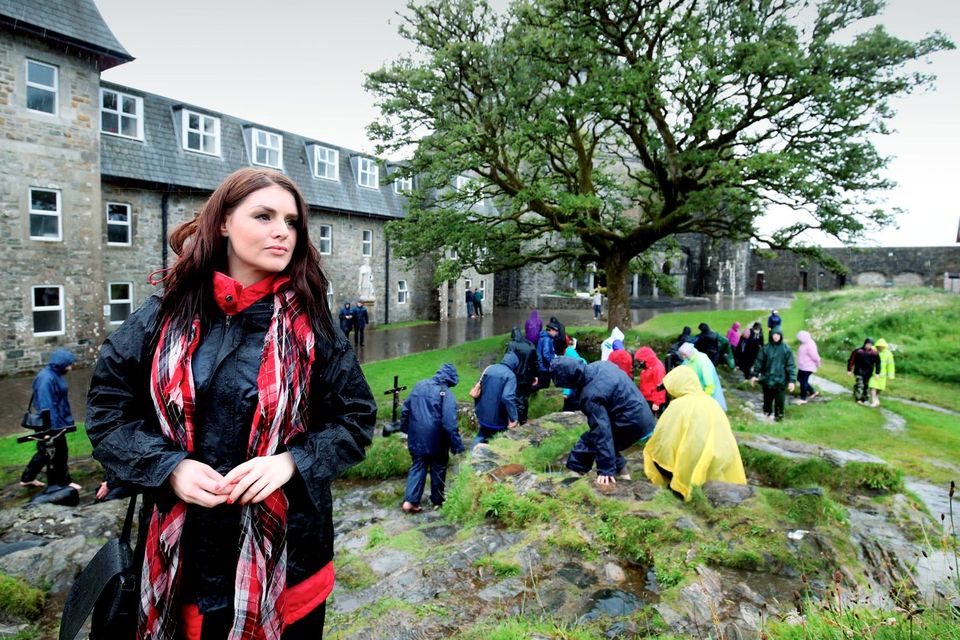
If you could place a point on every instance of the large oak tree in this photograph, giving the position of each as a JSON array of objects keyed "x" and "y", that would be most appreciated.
[{"x": 592, "y": 130}]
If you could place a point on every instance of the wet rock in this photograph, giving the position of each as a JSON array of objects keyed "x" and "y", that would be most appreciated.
[
  {"x": 438, "y": 533},
  {"x": 893, "y": 422},
  {"x": 484, "y": 459},
  {"x": 614, "y": 573},
  {"x": 686, "y": 524},
  {"x": 823, "y": 385},
  {"x": 810, "y": 491},
  {"x": 12, "y": 630},
  {"x": 621, "y": 629},
  {"x": 6, "y": 548},
  {"x": 726, "y": 494},
  {"x": 577, "y": 575},
  {"x": 780, "y": 446},
  {"x": 55, "y": 564},
  {"x": 611, "y": 602},
  {"x": 501, "y": 473},
  {"x": 644, "y": 490},
  {"x": 503, "y": 590},
  {"x": 388, "y": 561},
  {"x": 840, "y": 458}
]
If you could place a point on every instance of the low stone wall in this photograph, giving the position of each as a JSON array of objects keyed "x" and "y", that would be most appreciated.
[{"x": 564, "y": 303}]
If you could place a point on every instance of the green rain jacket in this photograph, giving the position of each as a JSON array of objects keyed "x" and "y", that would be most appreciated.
[{"x": 775, "y": 365}]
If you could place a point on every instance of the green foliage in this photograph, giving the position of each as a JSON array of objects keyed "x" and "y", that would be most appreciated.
[
  {"x": 920, "y": 322},
  {"x": 18, "y": 600},
  {"x": 500, "y": 568},
  {"x": 549, "y": 455},
  {"x": 501, "y": 501},
  {"x": 826, "y": 623},
  {"x": 386, "y": 458},
  {"x": 570, "y": 126},
  {"x": 520, "y": 628},
  {"x": 778, "y": 471},
  {"x": 544, "y": 402},
  {"x": 353, "y": 572},
  {"x": 806, "y": 510},
  {"x": 376, "y": 537},
  {"x": 461, "y": 497}
]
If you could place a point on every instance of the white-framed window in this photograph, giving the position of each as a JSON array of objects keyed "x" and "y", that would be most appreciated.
[
  {"x": 201, "y": 133},
  {"x": 366, "y": 244},
  {"x": 45, "y": 217},
  {"x": 330, "y": 296},
  {"x": 326, "y": 163},
  {"x": 468, "y": 286},
  {"x": 402, "y": 292},
  {"x": 461, "y": 183},
  {"x": 483, "y": 287},
  {"x": 118, "y": 224},
  {"x": 325, "y": 243},
  {"x": 121, "y": 114},
  {"x": 48, "y": 319},
  {"x": 267, "y": 149},
  {"x": 120, "y": 300},
  {"x": 42, "y": 87},
  {"x": 368, "y": 173},
  {"x": 403, "y": 186}
]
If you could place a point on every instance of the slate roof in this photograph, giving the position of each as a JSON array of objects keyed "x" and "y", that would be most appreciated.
[
  {"x": 77, "y": 23},
  {"x": 161, "y": 159}
]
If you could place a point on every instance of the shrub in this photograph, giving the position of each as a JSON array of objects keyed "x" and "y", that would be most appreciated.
[
  {"x": 18, "y": 600},
  {"x": 386, "y": 458}
]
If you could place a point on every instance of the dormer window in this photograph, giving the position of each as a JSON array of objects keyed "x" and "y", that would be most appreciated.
[
  {"x": 461, "y": 183},
  {"x": 121, "y": 114},
  {"x": 403, "y": 186},
  {"x": 201, "y": 133},
  {"x": 368, "y": 173},
  {"x": 267, "y": 148},
  {"x": 326, "y": 163}
]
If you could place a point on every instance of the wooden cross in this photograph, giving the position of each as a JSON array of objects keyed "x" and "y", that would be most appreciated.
[{"x": 395, "y": 392}]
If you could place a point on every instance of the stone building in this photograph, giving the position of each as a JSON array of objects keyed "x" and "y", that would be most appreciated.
[{"x": 96, "y": 175}]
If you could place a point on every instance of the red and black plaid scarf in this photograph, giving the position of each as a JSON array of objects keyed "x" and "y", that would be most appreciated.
[{"x": 283, "y": 386}]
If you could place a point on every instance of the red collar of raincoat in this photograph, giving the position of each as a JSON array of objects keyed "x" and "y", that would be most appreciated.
[{"x": 232, "y": 297}]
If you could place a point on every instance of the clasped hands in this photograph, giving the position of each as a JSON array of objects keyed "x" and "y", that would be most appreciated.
[{"x": 198, "y": 483}]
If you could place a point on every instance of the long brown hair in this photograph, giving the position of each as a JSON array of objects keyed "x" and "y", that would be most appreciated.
[{"x": 202, "y": 250}]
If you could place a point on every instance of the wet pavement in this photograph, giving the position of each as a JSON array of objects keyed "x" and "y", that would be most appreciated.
[{"x": 386, "y": 343}]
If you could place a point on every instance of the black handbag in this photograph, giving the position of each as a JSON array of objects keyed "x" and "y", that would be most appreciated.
[
  {"x": 33, "y": 420},
  {"x": 109, "y": 588}
]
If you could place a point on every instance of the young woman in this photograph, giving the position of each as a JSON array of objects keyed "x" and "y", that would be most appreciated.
[{"x": 231, "y": 402}]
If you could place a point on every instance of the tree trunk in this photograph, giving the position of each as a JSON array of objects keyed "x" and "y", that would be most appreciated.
[{"x": 616, "y": 268}]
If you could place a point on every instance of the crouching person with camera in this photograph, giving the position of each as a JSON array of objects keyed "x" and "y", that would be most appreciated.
[{"x": 429, "y": 418}]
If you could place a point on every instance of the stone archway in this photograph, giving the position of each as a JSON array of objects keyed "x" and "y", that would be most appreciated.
[{"x": 870, "y": 279}]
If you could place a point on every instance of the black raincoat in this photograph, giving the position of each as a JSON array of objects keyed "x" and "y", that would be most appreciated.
[{"x": 123, "y": 428}]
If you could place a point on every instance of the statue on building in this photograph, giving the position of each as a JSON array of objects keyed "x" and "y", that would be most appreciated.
[{"x": 365, "y": 286}]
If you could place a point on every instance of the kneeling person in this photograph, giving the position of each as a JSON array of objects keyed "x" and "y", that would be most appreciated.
[
  {"x": 618, "y": 415},
  {"x": 693, "y": 442},
  {"x": 429, "y": 419}
]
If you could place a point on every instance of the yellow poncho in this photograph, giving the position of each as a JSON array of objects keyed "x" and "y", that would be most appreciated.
[
  {"x": 693, "y": 439},
  {"x": 888, "y": 368}
]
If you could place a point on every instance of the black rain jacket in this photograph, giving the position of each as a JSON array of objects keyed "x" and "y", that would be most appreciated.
[
  {"x": 123, "y": 428},
  {"x": 526, "y": 353}
]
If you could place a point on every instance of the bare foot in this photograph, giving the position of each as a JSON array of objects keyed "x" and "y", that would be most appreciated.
[
  {"x": 75, "y": 486},
  {"x": 409, "y": 507},
  {"x": 32, "y": 483}
]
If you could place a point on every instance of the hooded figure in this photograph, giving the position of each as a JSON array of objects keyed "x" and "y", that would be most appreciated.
[
  {"x": 621, "y": 357},
  {"x": 606, "y": 347},
  {"x": 886, "y": 371},
  {"x": 862, "y": 364},
  {"x": 429, "y": 418},
  {"x": 346, "y": 319},
  {"x": 526, "y": 370},
  {"x": 51, "y": 393},
  {"x": 673, "y": 353},
  {"x": 570, "y": 401},
  {"x": 749, "y": 347},
  {"x": 651, "y": 376},
  {"x": 693, "y": 442},
  {"x": 546, "y": 352},
  {"x": 706, "y": 373},
  {"x": 777, "y": 372},
  {"x": 708, "y": 342},
  {"x": 496, "y": 407},
  {"x": 733, "y": 334},
  {"x": 533, "y": 327},
  {"x": 560, "y": 340},
  {"x": 808, "y": 361},
  {"x": 616, "y": 412}
]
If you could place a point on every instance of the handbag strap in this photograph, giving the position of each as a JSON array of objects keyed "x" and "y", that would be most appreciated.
[
  {"x": 33, "y": 395},
  {"x": 128, "y": 521}
]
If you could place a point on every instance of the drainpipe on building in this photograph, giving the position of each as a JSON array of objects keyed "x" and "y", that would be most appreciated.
[
  {"x": 386, "y": 283},
  {"x": 164, "y": 205}
]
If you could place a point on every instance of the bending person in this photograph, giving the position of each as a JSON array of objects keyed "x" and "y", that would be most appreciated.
[
  {"x": 706, "y": 372},
  {"x": 693, "y": 442},
  {"x": 618, "y": 416}
]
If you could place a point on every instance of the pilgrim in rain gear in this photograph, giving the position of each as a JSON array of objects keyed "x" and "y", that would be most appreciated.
[
  {"x": 533, "y": 326},
  {"x": 706, "y": 373},
  {"x": 776, "y": 369},
  {"x": 429, "y": 418},
  {"x": 673, "y": 358},
  {"x": 570, "y": 401},
  {"x": 863, "y": 363},
  {"x": 651, "y": 376},
  {"x": 708, "y": 342},
  {"x": 887, "y": 369},
  {"x": 621, "y": 357},
  {"x": 616, "y": 412},
  {"x": 749, "y": 347},
  {"x": 693, "y": 442},
  {"x": 496, "y": 407},
  {"x": 606, "y": 347},
  {"x": 50, "y": 393},
  {"x": 526, "y": 370},
  {"x": 808, "y": 361}
]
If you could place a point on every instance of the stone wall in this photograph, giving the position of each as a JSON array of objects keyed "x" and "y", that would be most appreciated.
[
  {"x": 867, "y": 267},
  {"x": 58, "y": 152}
]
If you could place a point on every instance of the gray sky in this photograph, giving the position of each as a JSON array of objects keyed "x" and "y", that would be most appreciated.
[{"x": 299, "y": 65}]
